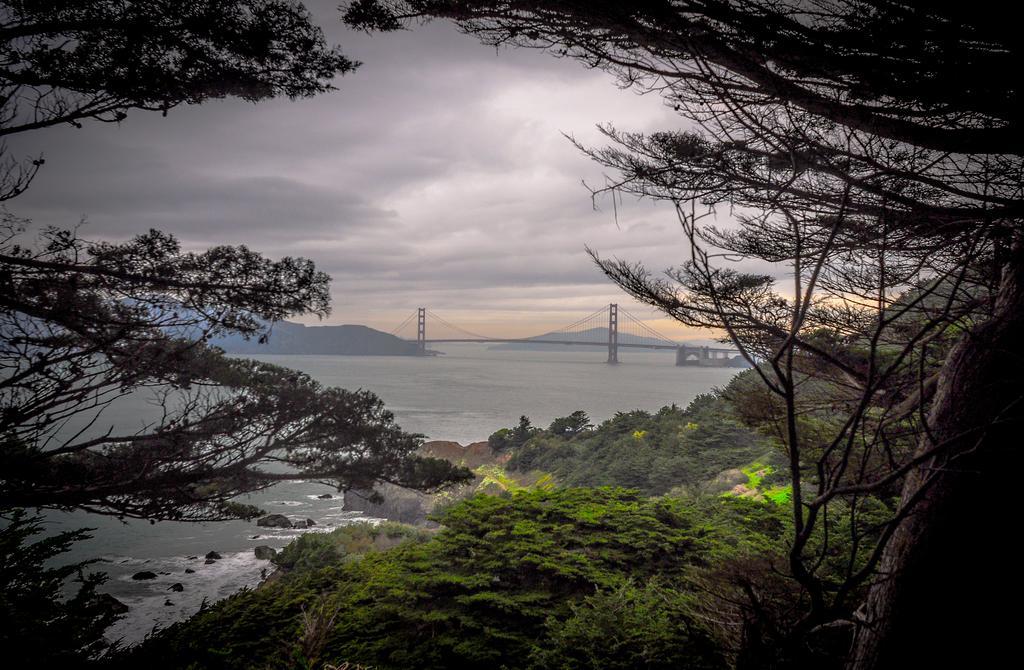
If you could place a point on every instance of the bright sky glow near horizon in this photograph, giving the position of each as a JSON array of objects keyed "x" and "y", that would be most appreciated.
[{"x": 436, "y": 175}]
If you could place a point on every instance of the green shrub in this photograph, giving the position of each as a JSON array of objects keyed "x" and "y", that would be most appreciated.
[
  {"x": 42, "y": 621},
  {"x": 316, "y": 550},
  {"x": 649, "y": 452},
  {"x": 630, "y": 627},
  {"x": 484, "y": 592}
]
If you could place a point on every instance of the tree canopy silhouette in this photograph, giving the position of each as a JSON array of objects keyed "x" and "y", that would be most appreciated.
[
  {"x": 874, "y": 148},
  {"x": 86, "y": 323},
  {"x": 66, "y": 62}
]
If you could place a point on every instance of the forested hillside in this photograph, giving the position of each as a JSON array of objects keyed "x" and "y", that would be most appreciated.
[
  {"x": 548, "y": 563},
  {"x": 652, "y": 453},
  {"x": 540, "y": 579}
]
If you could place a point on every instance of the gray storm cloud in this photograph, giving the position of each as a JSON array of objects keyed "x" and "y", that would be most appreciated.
[{"x": 437, "y": 174}]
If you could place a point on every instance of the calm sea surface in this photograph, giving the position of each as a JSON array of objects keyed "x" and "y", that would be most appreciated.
[{"x": 464, "y": 396}]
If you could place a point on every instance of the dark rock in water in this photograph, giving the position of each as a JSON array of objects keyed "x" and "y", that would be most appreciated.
[
  {"x": 214, "y": 555},
  {"x": 210, "y": 560},
  {"x": 176, "y": 587},
  {"x": 310, "y": 523},
  {"x": 168, "y": 603},
  {"x": 264, "y": 553},
  {"x": 325, "y": 496},
  {"x": 189, "y": 571},
  {"x": 255, "y": 537},
  {"x": 112, "y": 604},
  {"x": 191, "y": 558},
  {"x": 274, "y": 521},
  {"x": 145, "y": 574}
]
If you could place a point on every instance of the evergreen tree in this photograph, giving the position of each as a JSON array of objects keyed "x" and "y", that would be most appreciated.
[
  {"x": 572, "y": 425},
  {"x": 85, "y": 323},
  {"x": 876, "y": 149},
  {"x": 38, "y": 619},
  {"x": 67, "y": 62}
]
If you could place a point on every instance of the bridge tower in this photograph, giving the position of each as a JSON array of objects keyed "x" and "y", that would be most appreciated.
[
  {"x": 613, "y": 334},
  {"x": 421, "y": 331}
]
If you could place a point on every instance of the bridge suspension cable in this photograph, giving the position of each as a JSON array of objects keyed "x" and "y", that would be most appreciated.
[
  {"x": 590, "y": 328},
  {"x": 586, "y": 327},
  {"x": 590, "y": 322},
  {"x": 608, "y": 326},
  {"x": 642, "y": 330},
  {"x": 457, "y": 328},
  {"x": 584, "y": 321},
  {"x": 405, "y": 323}
]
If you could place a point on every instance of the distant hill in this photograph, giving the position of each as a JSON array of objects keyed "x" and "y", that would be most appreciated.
[
  {"x": 296, "y": 338},
  {"x": 591, "y": 335}
]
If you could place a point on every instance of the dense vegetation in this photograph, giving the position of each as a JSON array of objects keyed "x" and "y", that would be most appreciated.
[
  {"x": 867, "y": 151},
  {"x": 39, "y": 613},
  {"x": 650, "y": 452},
  {"x": 538, "y": 579},
  {"x": 530, "y": 574},
  {"x": 875, "y": 149}
]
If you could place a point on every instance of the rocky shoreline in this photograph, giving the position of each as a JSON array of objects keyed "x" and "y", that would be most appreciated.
[
  {"x": 413, "y": 507},
  {"x": 159, "y": 591}
]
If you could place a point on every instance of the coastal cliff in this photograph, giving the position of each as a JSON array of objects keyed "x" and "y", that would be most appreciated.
[{"x": 413, "y": 507}]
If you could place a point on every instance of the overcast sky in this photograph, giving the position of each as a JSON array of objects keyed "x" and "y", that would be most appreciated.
[{"x": 436, "y": 175}]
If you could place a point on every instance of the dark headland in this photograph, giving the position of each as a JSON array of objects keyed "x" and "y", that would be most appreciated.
[{"x": 296, "y": 338}]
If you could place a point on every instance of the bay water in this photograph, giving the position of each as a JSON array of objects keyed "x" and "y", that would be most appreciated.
[{"x": 463, "y": 395}]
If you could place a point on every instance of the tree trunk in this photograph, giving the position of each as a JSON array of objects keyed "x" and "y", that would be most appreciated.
[{"x": 949, "y": 589}]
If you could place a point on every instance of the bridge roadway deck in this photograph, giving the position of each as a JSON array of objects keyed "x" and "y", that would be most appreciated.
[{"x": 591, "y": 344}]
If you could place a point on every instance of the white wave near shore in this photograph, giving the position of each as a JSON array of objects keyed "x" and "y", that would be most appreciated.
[
  {"x": 153, "y": 603},
  {"x": 157, "y": 602}
]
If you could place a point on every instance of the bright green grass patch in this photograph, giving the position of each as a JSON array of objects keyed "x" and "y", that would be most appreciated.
[
  {"x": 756, "y": 472},
  {"x": 780, "y": 495}
]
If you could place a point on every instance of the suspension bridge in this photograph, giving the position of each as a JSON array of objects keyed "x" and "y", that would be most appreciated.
[{"x": 610, "y": 327}]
